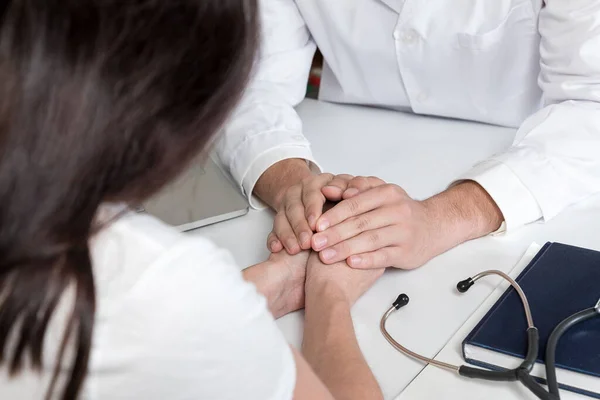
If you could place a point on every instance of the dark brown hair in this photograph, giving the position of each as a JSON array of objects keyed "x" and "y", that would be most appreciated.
[{"x": 100, "y": 101}]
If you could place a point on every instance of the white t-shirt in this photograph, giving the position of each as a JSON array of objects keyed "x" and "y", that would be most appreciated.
[{"x": 175, "y": 320}]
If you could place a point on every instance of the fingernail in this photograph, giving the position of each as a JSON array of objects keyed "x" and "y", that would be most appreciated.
[
  {"x": 304, "y": 238},
  {"x": 320, "y": 242},
  {"x": 355, "y": 260},
  {"x": 273, "y": 245},
  {"x": 351, "y": 192},
  {"x": 328, "y": 254},
  {"x": 323, "y": 225},
  {"x": 312, "y": 220},
  {"x": 292, "y": 245}
]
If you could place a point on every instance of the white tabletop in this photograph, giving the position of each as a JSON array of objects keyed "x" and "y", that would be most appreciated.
[{"x": 423, "y": 155}]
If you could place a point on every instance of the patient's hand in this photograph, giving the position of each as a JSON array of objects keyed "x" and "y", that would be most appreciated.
[
  {"x": 291, "y": 269},
  {"x": 338, "y": 280},
  {"x": 281, "y": 280}
]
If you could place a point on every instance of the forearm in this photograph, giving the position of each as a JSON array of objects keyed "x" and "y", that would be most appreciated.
[
  {"x": 331, "y": 348},
  {"x": 463, "y": 212},
  {"x": 272, "y": 185}
]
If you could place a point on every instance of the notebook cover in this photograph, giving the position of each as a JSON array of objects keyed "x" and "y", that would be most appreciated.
[{"x": 560, "y": 281}]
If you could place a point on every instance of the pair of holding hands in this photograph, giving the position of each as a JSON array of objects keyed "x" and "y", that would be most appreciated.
[
  {"x": 374, "y": 225},
  {"x": 296, "y": 276}
]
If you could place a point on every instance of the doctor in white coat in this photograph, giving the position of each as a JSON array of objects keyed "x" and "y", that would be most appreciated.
[{"x": 516, "y": 63}]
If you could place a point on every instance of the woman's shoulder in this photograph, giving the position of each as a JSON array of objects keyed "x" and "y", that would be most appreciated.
[{"x": 135, "y": 250}]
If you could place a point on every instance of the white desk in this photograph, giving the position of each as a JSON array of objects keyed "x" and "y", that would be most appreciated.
[{"x": 423, "y": 155}]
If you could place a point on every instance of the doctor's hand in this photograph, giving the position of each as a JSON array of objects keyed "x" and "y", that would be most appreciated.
[
  {"x": 300, "y": 207},
  {"x": 378, "y": 225}
]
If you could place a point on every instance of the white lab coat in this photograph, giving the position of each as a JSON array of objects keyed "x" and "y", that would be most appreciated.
[{"x": 506, "y": 62}]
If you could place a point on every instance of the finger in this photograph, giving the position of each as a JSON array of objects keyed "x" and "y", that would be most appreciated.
[
  {"x": 313, "y": 199},
  {"x": 284, "y": 232},
  {"x": 382, "y": 258},
  {"x": 364, "y": 243},
  {"x": 294, "y": 211},
  {"x": 273, "y": 244},
  {"x": 359, "y": 204},
  {"x": 336, "y": 188},
  {"x": 361, "y": 184},
  {"x": 352, "y": 227}
]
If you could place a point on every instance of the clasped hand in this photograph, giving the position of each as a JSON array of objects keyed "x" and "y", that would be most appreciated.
[
  {"x": 286, "y": 279},
  {"x": 375, "y": 225}
]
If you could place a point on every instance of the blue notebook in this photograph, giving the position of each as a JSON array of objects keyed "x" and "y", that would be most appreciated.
[{"x": 560, "y": 281}]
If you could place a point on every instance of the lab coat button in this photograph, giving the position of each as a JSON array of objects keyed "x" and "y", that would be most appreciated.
[{"x": 409, "y": 37}]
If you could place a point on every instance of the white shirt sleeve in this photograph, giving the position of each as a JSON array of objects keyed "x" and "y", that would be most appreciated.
[
  {"x": 191, "y": 328},
  {"x": 265, "y": 128},
  {"x": 554, "y": 161}
]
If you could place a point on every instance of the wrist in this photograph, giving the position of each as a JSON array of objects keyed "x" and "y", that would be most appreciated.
[
  {"x": 275, "y": 181},
  {"x": 463, "y": 212},
  {"x": 327, "y": 292}
]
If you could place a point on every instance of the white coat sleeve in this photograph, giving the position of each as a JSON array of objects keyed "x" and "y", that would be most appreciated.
[
  {"x": 265, "y": 128},
  {"x": 555, "y": 159}
]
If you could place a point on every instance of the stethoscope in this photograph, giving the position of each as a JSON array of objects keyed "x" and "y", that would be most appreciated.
[{"x": 522, "y": 372}]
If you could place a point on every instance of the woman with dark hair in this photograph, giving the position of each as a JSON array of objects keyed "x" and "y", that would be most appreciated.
[{"x": 103, "y": 102}]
